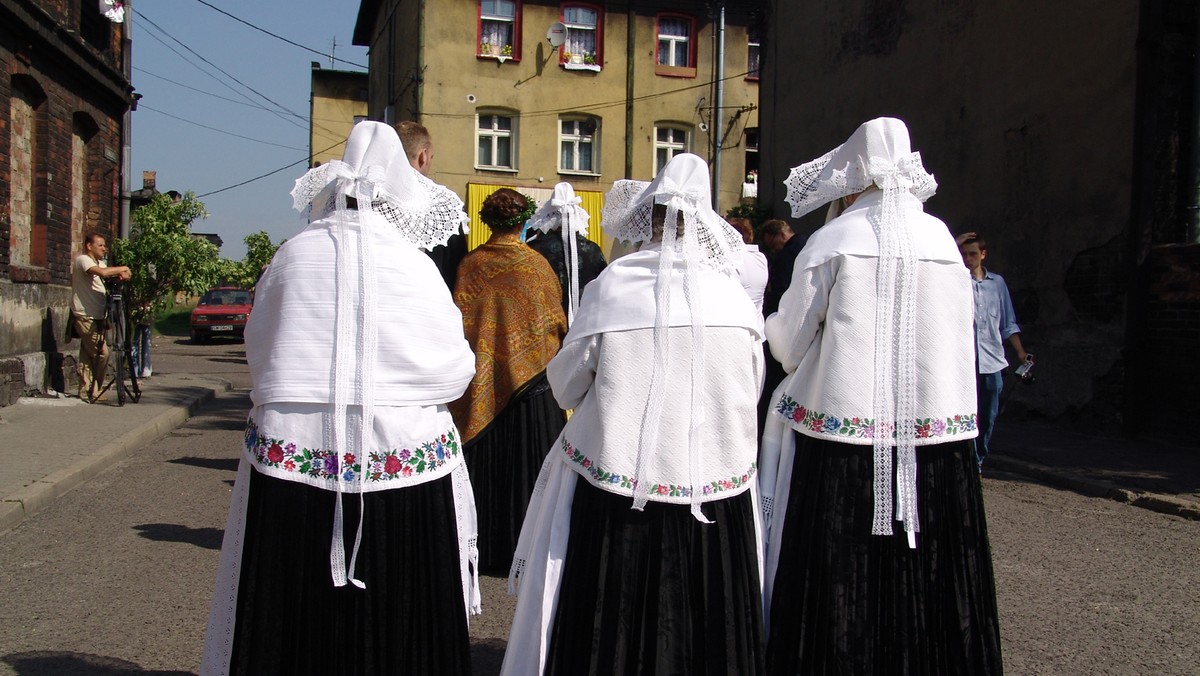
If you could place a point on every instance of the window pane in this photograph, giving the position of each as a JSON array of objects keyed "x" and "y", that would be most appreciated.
[
  {"x": 752, "y": 60},
  {"x": 506, "y": 8},
  {"x": 566, "y": 158},
  {"x": 579, "y": 15},
  {"x": 674, "y": 27},
  {"x": 660, "y": 159},
  {"x": 485, "y": 122},
  {"x": 485, "y": 151},
  {"x": 585, "y": 156},
  {"x": 580, "y": 41},
  {"x": 504, "y": 151},
  {"x": 503, "y": 123},
  {"x": 663, "y": 135}
]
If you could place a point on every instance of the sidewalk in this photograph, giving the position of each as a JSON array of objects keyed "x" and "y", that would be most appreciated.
[
  {"x": 1148, "y": 473},
  {"x": 53, "y": 445}
]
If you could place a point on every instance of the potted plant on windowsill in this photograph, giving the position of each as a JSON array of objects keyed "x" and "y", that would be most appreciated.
[{"x": 589, "y": 58}]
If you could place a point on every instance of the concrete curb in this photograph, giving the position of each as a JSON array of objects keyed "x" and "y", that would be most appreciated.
[
  {"x": 37, "y": 496},
  {"x": 1165, "y": 504}
]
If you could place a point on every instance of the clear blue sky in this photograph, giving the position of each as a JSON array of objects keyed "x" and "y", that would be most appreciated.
[{"x": 190, "y": 157}]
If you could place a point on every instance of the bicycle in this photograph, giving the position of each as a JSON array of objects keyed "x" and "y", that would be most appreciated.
[{"x": 117, "y": 335}]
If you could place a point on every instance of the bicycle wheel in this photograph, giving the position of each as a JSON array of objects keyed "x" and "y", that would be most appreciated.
[{"x": 121, "y": 352}]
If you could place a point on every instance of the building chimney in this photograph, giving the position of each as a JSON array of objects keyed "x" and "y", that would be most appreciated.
[{"x": 148, "y": 180}]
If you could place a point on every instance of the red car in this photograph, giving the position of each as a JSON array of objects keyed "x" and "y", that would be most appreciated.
[{"x": 222, "y": 311}]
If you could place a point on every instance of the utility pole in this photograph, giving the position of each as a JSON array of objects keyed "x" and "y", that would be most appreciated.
[
  {"x": 714, "y": 128},
  {"x": 332, "y": 53}
]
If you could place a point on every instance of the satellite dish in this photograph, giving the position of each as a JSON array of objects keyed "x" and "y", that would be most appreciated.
[{"x": 556, "y": 34}]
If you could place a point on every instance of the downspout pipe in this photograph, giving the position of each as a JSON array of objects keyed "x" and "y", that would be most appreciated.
[
  {"x": 1193, "y": 217},
  {"x": 630, "y": 53},
  {"x": 126, "y": 124},
  {"x": 718, "y": 102}
]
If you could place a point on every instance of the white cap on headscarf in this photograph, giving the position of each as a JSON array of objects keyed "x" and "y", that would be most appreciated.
[
  {"x": 878, "y": 154},
  {"x": 563, "y": 212},
  {"x": 682, "y": 186}
]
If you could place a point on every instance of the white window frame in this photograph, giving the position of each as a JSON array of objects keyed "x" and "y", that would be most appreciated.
[
  {"x": 577, "y": 138},
  {"x": 674, "y": 41},
  {"x": 494, "y": 132},
  {"x": 672, "y": 146}
]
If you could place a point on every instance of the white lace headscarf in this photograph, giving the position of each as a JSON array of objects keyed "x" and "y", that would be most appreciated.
[
  {"x": 682, "y": 186},
  {"x": 374, "y": 170},
  {"x": 563, "y": 212},
  {"x": 878, "y": 154}
]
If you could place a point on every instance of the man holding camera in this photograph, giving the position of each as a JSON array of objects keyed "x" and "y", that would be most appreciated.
[
  {"x": 88, "y": 300},
  {"x": 995, "y": 322}
]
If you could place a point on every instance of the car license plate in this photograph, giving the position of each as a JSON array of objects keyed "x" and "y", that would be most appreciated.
[{"x": 222, "y": 327}]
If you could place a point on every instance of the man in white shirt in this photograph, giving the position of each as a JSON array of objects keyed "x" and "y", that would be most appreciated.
[{"x": 88, "y": 300}]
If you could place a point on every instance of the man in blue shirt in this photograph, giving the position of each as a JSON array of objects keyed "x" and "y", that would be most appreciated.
[{"x": 995, "y": 322}]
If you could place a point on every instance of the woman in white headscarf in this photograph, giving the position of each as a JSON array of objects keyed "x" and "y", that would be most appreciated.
[
  {"x": 639, "y": 549},
  {"x": 877, "y": 558},
  {"x": 559, "y": 232},
  {"x": 350, "y": 541}
]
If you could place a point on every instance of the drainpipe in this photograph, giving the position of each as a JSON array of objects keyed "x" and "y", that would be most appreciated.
[
  {"x": 1193, "y": 234},
  {"x": 718, "y": 101},
  {"x": 419, "y": 94},
  {"x": 630, "y": 52},
  {"x": 126, "y": 123}
]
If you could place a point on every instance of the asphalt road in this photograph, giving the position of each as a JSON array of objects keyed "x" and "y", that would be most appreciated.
[{"x": 115, "y": 577}]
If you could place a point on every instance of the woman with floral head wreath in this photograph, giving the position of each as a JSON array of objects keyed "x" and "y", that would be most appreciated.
[
  {"x": 351, "y": 524},
  {"x": 510, "y": 302},
  {"x": 559, "y": 232},
  {"x": 639, "y": 554},
  {"x": 877, "y": 557}
]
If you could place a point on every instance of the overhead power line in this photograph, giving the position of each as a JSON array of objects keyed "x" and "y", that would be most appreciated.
[
  {"x": 269, "y": 173},
  {"x": 259, "y": 106},
  {"x": 261, "y": 95},
  {"x": 221, "y": 131},
  {"x": 279, "y": 37}
]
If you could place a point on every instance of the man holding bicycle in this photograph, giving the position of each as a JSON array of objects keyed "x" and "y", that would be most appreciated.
[{"x": 88, "y": 297}]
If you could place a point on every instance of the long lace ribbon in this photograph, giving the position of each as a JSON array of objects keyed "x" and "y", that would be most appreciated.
[{"x": 895, "y": 353}]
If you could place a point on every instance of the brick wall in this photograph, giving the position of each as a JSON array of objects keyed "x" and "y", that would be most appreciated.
[{"x": 62, "y": 99}]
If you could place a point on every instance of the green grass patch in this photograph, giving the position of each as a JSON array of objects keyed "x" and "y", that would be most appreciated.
[{"x": 175, "y": 319}]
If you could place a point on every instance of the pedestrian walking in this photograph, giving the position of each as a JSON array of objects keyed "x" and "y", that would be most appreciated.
[
  {"x": 351, "y": 524},
  {"x": 639, "y": 553},
  {"x": 877, "y": 557},
  {"x": 511, "y": 306}
]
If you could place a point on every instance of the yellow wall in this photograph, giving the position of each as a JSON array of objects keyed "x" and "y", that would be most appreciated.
[
  {"x": 454, "y": 84},
  {"x": 592, "y": 203},
  {"x": 336, "y": 99}
]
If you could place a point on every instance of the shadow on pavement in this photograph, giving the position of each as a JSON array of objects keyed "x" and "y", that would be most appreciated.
[
  {"x": 208, "y": 538},
  {"x": 53, "y": 663},
  {"x": 487, "y": 656},
  {"x": 225, "y": 464}
]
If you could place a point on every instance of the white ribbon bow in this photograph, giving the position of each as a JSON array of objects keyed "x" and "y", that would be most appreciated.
[
  {"x": 363, "y": 182},
  {"x": 899, "y": 175}
]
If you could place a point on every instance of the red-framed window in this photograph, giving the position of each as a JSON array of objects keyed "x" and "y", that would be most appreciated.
[
  {"x": 676, "y": 51},
  {"x": 584, "y": 45},
  {"x": 499, "y": 29}
]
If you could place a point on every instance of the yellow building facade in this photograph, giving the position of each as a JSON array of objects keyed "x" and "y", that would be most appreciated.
[
  {"x": 338, "y": 101},
  {"x": 631, "y": 85}
]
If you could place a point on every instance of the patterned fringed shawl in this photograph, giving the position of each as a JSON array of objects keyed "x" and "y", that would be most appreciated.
[{"x": 510, "y": 300}]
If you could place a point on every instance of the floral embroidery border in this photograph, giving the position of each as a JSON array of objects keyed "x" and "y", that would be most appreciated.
[
  {"x": 322, "y": 464},
  {"x": 864, "y": 428},
  {"x": 604, "y": 476}
]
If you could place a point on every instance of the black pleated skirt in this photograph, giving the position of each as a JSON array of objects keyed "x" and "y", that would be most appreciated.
[
  {"x": 848, "y": 602},
  {"x": 657, "y": 592},
  {"x": 504, "y": 461},
  {"x": 291, "y": 620}
]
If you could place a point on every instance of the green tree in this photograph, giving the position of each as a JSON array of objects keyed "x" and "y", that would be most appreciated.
[
  {"x": 163, "y": 256},
  {"x": 259, "y": 252}
]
